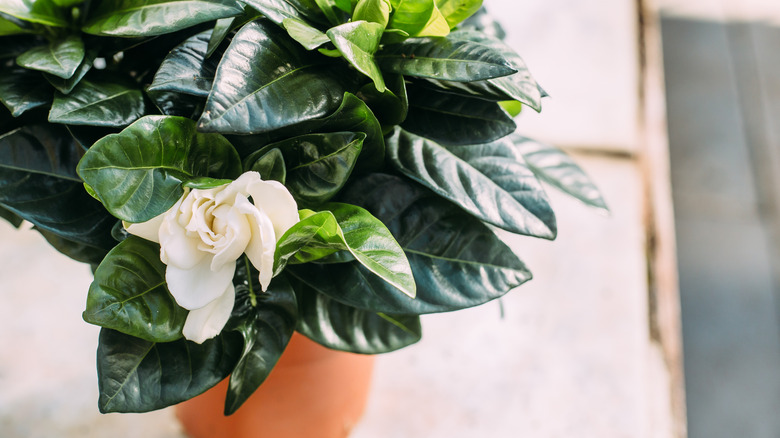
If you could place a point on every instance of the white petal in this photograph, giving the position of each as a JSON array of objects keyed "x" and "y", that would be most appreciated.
[
  {"x": 208, "y": 321},
  {"x": 262, "y": 244},
  {"x": 273, "y": 199},
  {"x": 177, "y": 247},
  {"x": 148, "y": 230},
  {"x": 235, "y": 237},
  {"x": 196, "y": 287},
  {"x": 239, "y": 186}
]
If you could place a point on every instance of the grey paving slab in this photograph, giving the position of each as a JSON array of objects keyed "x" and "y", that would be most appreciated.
[{"x": 725, "y": 253}]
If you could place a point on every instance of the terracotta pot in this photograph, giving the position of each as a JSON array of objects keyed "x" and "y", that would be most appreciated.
[{"x": 312, "y": 392}]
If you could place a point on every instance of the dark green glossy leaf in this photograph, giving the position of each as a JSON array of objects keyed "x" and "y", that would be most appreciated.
[
  {"x": 490, "y": 181},
  {"x": 133, "y": 18},
  {"x": 186, "y": 69},
  {"x": 457, "y": 261},
  {"x": 318, "y": 165},
  {"x": 22, "y": 90},
  {"x": 11, "y": 217},
  {"x": 375, "y": 11},
  {"x": 103, "y": 102},
  {"x": 267, "y": 81},
  {"x": 455, "y": 11},
  {"x": 86, "y": 136},
  {"x": 270, "y": 165},
  {"x": 135, "y": 375},
  {"x": 358, "y": 41},
  {"x": 129, "y": 294},
  {"x": 44, "y": 12},
  {"x": 275, "y": 10},
  {"x": 519, "y": 86},
  {"x": 307, "y": 35},
  {"x": 445, "y": 59},
  {"x": 266, "y": 320},
  {"x": 137, "y": 174},
  {"x": 172, "y": 103},
  {"x": 331, "y": 11},
  {"x": 345, "y": 226},
  {"x": 453, "y": 119},
  {"x": 418, "y": 18},
  {"x": 391, "y": 106},
  {"x": 60, "y": 58},
  {"x": 38, "y": 183},
  {"x": 341, "y": 327},
  {"x": 204, "y": 182},
  {"x": 67, "y": 85},
  {"x": 222, "y": 28},
  {"x": 352, "y": 115},
  {"x": 80, "y": 252},
  {"x": 555, "y": 167}
]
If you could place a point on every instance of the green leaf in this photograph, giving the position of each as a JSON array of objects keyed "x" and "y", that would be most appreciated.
[
  {"x": 345, "y": 226},
  {"x": 318, "y": 165},
  {"x": 390, "y": 106},
  {"x": 512, "y": 107},
  {"x": 204, "y": 182},
  {"x": 103, "y": 102},
  {"x": 172, "y": 103},
  {"x": 266, "y": 320},
  {"x": 133, "y": 18},
  {"x": 358, "y": 41},
  {"x": 137, "y": 174},
  {"x": 65, "y": 86},
  {"x": 483, "y": 22},
  {"x": 375, "y": 11},
  {"x": 129, "y": 294},
  {"x": 186, "y": 69},
  {"x": 44, "y": 12},
  {"x": 8, "y": 27},
  {"x": 21, "y": 90},
  {"x": 418, "y": 18},
  {"x": 60, "y": 58},
  {"x": 445, "y": 59},
  {"x": 271, "y": 166},
  {"x": 307, "y": 35},
  {"x": 38, "y": 183},
  {"x": 135, "y": 375},
  {"x": 457, "y": 261},
  {"x": 65, "y": 3},
  {"x": 341, "y": 327},
  {"x": 267, "y": 81},
  {"x": 453, "y": 119},
  {"x": 490, "y": 181},
  {"x": 519, "y": 86},
  {"x": 455, "y": 11},
  {"x": 555, "y": 167},
  {"x": 331, "y": 10},
  {"x": 11, "y": 217},
  {"x": 275, "y": 10}
]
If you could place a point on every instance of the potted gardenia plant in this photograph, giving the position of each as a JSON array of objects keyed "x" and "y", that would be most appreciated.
[{"x": 238, "y": 170}]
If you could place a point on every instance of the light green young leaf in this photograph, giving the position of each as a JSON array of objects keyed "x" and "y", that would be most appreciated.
[
  {"x": 455, "y": 11},
  {"x": 358, "y": 41},
  {"x": 309, "y": 36},
  {"x": 44, "y": 12},
  {"x": 348, "y": 227},
  {"x": 375, "y": 11},
  {"x": 60, "y": 58}
]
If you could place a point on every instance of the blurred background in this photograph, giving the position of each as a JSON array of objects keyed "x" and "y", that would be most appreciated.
[{"x": 673, "y": 107}]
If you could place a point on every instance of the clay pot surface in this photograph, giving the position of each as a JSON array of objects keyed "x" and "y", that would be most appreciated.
[{"x": 312, "y": 392}]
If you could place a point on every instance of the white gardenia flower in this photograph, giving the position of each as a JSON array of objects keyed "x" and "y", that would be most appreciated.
[{"x": 203, "y": 235}]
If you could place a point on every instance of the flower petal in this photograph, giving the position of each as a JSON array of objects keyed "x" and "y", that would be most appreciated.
[
  {"x": 177, "y": 247},
  {"x": 234, "y": 236},
  {"x": 198, "y": 286},
  {"x": 208, "y": 321},
  {"x": 148, "y": 230},
  {"x": 262, "y": 244},
  {"x": 273, "y": 199}
]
